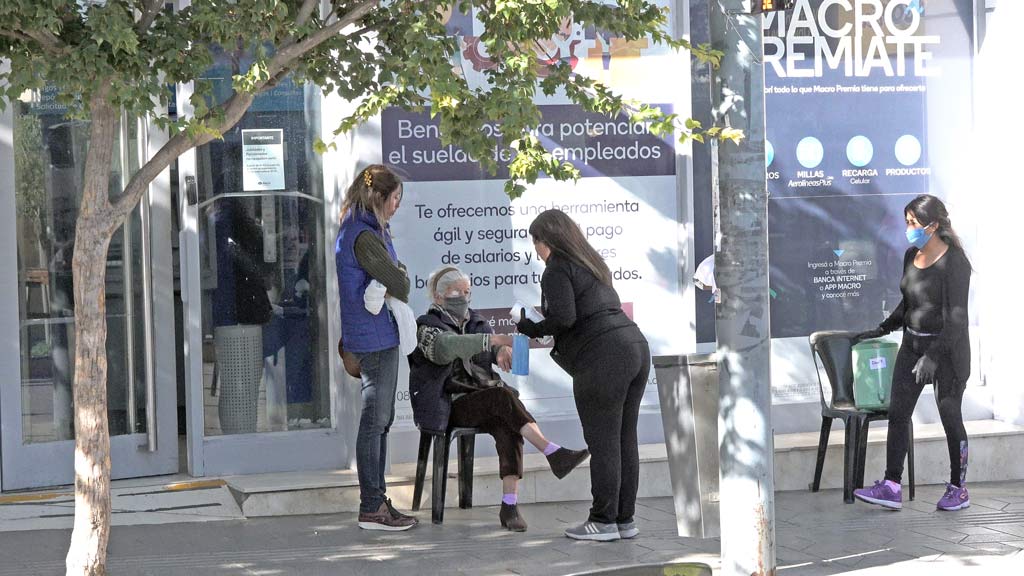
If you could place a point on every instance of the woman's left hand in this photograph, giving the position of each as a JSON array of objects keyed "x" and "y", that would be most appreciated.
[
  {"x": 527, "y": 326},
  {"x": 505, "y": 358},
  {"x": 925, "y": 370}
]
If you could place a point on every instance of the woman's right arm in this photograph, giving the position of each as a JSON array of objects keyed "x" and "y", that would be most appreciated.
[
  {"x": 560, "y": 305},
  {"x": 373, "y": 257}
]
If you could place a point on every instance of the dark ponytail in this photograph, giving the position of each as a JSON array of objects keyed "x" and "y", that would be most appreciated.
[{"x": 928, "y": 209}]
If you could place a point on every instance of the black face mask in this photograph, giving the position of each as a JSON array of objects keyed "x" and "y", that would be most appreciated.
[{"x": 457, "y": 306}]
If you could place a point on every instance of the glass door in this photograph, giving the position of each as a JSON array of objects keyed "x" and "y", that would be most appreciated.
[
  {"x": 43, "y": 166},
  {"x": 253, "y": 254}
]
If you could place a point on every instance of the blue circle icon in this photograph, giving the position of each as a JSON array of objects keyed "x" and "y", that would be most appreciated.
[
  {"x": 769, "y": 153},
  {"x": 809, "y": 152},
  {"x": 908, "y": 150},
  {"x": 859, "y": 151}
]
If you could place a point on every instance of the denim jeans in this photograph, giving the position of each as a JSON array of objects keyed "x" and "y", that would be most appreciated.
[{"x": 380, "y": 379}]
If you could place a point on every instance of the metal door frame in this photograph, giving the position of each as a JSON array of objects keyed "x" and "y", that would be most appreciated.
[
  {"x": 132, "y": 455},
  {"x": 259, "y": 452}
]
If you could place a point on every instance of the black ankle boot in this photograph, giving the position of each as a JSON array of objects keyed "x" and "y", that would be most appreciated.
[
  {"x": 563, "y": 460},
  {"x": 510, "y": 518}
]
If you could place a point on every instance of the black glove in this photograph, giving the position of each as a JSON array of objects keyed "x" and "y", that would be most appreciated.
[
  {"x": 868, "y": 335},
  {"x": 925, "y": 370},
  {"x": 526, "y": 326}
]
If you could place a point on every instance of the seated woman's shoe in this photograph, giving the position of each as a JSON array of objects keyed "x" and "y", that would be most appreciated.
[
  {"x": 510, "y": 518},
  {"x": 563, "y": 461}
]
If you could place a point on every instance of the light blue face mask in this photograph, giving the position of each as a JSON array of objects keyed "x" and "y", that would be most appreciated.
[{"x": 918, "y": 237}]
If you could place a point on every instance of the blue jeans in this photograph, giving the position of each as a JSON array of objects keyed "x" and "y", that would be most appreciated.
[{"x": 380, "y": 380}]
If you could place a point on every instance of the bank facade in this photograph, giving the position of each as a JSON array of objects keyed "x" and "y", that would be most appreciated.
[{"x": 202, "y": 382}]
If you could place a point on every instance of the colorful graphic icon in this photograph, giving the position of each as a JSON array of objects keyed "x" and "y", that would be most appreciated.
[
  {"x": 769, "y": 153},
  {"x": 908, "y": 150},
  {"x": 859, "y": 151},
  {"x": 809, "y": 152}
]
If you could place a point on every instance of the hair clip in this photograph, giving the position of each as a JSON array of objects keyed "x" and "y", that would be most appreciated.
[{"x": 368, "y": 178}]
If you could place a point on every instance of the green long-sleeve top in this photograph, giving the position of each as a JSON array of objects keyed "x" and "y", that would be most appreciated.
[
  {"x": 373, "y": 256},
  {"x": 442, "y": 347}
]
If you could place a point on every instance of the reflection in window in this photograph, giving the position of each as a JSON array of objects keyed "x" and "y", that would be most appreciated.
[{"x": 49, "y": 164}]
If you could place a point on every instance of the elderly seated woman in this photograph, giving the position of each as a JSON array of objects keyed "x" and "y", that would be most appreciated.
[{"x": 453, "y": 383}]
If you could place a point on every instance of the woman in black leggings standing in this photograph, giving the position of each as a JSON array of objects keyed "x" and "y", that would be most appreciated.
[
  {"x": 608, "y": 359},
  {"x": 935, "y": 350}
]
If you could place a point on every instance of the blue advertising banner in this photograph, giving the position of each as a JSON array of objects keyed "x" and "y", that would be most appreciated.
[
  {"x": 864, "y": 103},
  {"x": 846, "y": 98},
  {"x": 593, "y": 143}
]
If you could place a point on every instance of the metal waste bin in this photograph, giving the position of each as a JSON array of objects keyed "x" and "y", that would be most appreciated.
[{"x": 688, "y": 391}]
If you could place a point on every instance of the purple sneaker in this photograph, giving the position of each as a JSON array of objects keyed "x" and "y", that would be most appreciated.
[
  {"x": 955, "y": 498},
  {"x": 882, "y": 495}
]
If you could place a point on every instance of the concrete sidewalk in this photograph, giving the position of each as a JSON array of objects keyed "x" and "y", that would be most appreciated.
[{"x": 816, "y": 534}]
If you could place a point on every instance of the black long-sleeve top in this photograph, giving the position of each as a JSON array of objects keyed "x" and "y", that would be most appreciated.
[
  {"x": 935, "y": 302},
  {"x": 577, "y": 308}
]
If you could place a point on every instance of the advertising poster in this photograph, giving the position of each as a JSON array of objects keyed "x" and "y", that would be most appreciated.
[
  {"x": 863, "y": 104},
  {"x": 627, "y": 202}
]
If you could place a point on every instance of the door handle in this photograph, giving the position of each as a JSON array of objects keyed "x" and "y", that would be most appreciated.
[{"x": 191, "y": 190}]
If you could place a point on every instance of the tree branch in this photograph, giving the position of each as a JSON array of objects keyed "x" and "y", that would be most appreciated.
[
  {"x": 50, "y": 43},
  {"x": 16, "y": 35},
  {"x": 284, "y": 57},
  {"x": 151, "y": 8},
  {"x": 233, "y": 109},
  {"x": 305, "y": 11}
]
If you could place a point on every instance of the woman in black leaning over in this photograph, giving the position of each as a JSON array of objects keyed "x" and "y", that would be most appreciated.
[
  {"x": 608, "y": 359},
  {"x": 935, "y": 349}
]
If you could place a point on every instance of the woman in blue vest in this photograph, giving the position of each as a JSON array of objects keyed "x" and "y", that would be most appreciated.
[{"x": 363, "y": 253}]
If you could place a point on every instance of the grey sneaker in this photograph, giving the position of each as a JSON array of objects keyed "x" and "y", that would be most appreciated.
[
  {"x": 628, "y": 530},
  {"x": 594, "y": 531}
]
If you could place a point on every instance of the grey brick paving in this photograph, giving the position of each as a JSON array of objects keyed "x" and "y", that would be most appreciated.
[{"x": 816, "y": 535}]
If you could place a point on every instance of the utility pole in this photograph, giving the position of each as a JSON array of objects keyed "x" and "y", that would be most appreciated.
[{"x": 746, "y": 485}]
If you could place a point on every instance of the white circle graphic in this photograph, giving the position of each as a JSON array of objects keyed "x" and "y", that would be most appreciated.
[
  {"x": 809, "y": 152},
  {"x": 908, "y": 150},
  {"x": 769, "y": 153},
  {"x": 859, "y": 151}
]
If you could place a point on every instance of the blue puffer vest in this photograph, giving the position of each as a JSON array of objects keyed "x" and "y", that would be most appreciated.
[{"x": 361, "y": 331}]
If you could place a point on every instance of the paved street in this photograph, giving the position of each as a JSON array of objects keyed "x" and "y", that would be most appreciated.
[{"x": 816, "y": 534}]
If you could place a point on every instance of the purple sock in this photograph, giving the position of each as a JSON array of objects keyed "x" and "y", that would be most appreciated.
[
  {"x": 510, "y": 499},
  {"x": 550, "y": 449}
]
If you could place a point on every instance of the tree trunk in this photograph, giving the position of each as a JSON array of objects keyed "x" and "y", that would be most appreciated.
[
  {"x": 746, "y": 484},
  {"x": 95, "y": 227}
]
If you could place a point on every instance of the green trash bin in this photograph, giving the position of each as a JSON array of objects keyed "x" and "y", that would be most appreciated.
[{"x": 873, "y": 363}]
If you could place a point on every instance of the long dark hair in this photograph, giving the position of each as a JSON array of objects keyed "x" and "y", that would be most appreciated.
[
  {"x": 928, "y": 209},
  {"x": 370, "y": 191},
  {"x": 564, "y": 237}
]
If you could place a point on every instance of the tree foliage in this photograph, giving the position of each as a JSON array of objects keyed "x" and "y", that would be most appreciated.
[{"x": 380, "y": 54}]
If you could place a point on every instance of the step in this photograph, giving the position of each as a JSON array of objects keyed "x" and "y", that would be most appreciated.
[{"x": 994, "y": 449}]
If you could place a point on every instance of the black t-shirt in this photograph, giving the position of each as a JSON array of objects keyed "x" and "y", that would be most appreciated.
[
  {"x": 935, "y": 302},
  {"x": 922, "y": 296}
]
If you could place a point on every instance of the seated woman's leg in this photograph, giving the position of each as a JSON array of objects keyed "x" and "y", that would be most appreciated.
[{"x": 489, "y": 410}]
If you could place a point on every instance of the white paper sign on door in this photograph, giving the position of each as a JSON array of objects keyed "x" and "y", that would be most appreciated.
[{"x": 262, "y": 160}]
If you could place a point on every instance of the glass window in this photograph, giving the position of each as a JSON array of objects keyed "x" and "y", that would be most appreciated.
[
  {"x": 49, "y": 168},
  {"x": 262, "y": 266}
]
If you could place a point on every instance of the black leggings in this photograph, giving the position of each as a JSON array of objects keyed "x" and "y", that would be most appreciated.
[
  {"x": 608, "y": 385},
  {"x": 949, "y": 394}
]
